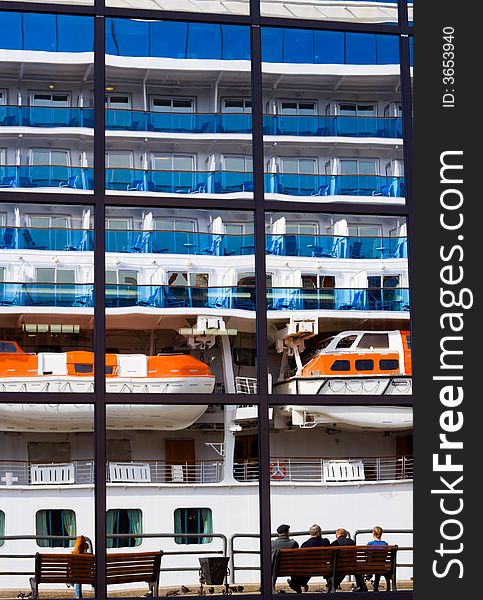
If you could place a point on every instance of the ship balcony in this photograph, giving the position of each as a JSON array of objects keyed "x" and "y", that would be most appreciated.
[
  {"x": 219, "y": 298},
  {"x": 46, "y": 116},
  {"x": 336, "y": 246},
  {"x": 228, "y": 182},
  {"x": 203, "y": 243},
  {"x": 62, "y": 177},
  {"x": 314, "y": 186},
  {"x": 340, "y": 299},
  {"x": 49, "y": 239},
  {"x": 324, "y": 470},
  {"x": 203, "y": 123}
]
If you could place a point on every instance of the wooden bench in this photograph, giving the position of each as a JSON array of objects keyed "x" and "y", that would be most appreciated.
[
  {"x": 365, "y": 560},
  {"x": 303, "y": 562},
  {"x": 132, "y": 567},
  {"x": 334, "y": 562}
]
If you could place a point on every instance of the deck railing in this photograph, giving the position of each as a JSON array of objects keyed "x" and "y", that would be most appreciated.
[
  {"x": 202, "y": 123},
  {"x": 201, "y": 243},
  {"x": 80, "y": 295},
  {"x": 324, "y": 470}
]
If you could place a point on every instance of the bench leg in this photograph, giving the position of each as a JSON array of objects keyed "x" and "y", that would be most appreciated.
[{"x": 34, "y": 586}]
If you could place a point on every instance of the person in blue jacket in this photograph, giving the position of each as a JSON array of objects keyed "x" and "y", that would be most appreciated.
[{"x": 377, "y": 540}]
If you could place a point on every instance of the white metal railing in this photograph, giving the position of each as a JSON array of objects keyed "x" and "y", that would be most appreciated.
[
  {"x": 245, "y": 385},
  {"x": 289, "y": 469},
  {"x": 82, "y": 472},
  {"x": 329, "y": 470}
]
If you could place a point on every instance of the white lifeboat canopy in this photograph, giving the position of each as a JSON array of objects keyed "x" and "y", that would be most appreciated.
[
  {"x": 80, "y": 417},
  {"x": 353, "y": 417}
]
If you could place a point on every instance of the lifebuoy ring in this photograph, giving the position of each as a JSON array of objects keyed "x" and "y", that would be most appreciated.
[{"x": 277, "y": 470}]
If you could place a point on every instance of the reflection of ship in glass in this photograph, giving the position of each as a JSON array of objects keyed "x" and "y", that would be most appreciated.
[{"x": 190, "y": 473}]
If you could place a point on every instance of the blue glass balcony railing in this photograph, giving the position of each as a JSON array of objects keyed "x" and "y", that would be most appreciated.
[
  {"x": 35, "y": 176},
  {"x": 225, "y": 182},
  {"x": 36, "y": 238},
  {"x": 46, "y": 116},
  {"x": 173, "y": 182},
  {"x": 173, "y": 122},
  {"x": 380, "y": 299},
  {"x": 298, "y": 184},
  {"x": 332, "y": 246},
  {"x": 179, "y": 242},
  {"x": 333, "y": 125},
  {"x": 46, "y": 294},
  {"x": 165, "y": 296},
  {"x": 225, "y": 297}
]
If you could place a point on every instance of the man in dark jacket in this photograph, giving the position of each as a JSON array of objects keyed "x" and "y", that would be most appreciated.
[
  {"x": 342, "y": 539},
  {"x": 283, "y": 540},
  {"x": 299, "y": 584}
]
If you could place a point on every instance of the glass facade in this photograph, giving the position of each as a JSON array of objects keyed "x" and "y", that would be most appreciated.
[{"x": 232, "y": 221}]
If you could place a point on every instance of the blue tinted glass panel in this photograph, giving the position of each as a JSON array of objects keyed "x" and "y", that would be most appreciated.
[
  {"x": 387, "y": 49},
  {"x": 298, "y": 46},
  {"x": 40, "y": 32},
  {"x": 329, "y": 47},
  {"x": 11, "y": 28},
  {"x": 272, "y": 45},
  {"x": 235, "y": 42},
  {"x": 411, "y": 50},
  {"x": 204, "y": 41},
  {"x": 76, "y": 34},
  {"x": 360, "y": 48},
  {"x": 168, "y": 40},
  {"x": 131, "y": 37}
]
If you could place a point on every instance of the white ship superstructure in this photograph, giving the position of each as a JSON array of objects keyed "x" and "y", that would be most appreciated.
[{"x": 180, "y": 285}]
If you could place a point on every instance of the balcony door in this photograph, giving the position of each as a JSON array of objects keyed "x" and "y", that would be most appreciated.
[
  {"x": 47, "y": 232},
  {"x": 174, "y": 172},
  {"x": 354, "y": 119},
  {"x": 50, "y": 109},
  {"x": 119, "y": 174},
  {"x": 180, "y": 460},
  {"x": 119, "y": 115},
  {"x": 56, "y": 287},
  {"x": 297, "y": 117},
  {"x": 359, "y": 177},
  {"x": 48, "y": 168},
  {"x": 121, "y": 288},
  {"x": 177, "y": 236},
  {"x": 298, "y": 176}
]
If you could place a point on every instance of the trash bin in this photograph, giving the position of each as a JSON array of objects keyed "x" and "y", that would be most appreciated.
[{"x": 214, "y": 569}]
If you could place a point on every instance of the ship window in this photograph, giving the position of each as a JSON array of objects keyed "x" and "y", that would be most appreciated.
[
  {"x": 388, "y": 365},
  {"x": 346, "y": 342},
  {"x": 341, "y": 365},
  {"x": 408, "y": 341},
  {"x": 364, "y": 365},
  {"x": 55, "y": 522},
  {"x": 374, "y": 340},
  {"x": 82, "y": 368},
  {"x": 193, "y": 520},
  {"x": 2, "y": 527},
  {"x": 7, "y": 346},
  {"x": 124, "y": 520}
]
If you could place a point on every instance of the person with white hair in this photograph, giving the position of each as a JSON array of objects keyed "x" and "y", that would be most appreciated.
[{"x": 300, "y": 584}]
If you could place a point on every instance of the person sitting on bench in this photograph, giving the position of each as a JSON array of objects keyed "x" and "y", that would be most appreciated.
[
  {"x": 342, "y": 539},
  {"x": 378, "y": 541},
  {"x": 299, "y": 584}
]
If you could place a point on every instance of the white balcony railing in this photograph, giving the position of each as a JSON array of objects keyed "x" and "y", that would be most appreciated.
[{"x": 283, "y": 469}]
